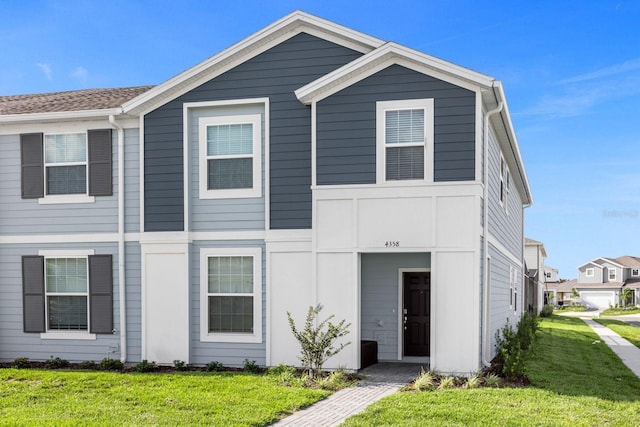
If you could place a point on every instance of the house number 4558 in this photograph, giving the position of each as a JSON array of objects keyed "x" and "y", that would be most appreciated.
[{"x": 392, "y": 244}]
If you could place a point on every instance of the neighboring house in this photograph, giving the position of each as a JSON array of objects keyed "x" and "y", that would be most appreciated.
[
  {"x": 307, "y": 164},
  {"x": 550, "y": 274},
  {"x": 551, "y": 279},
  {"x": 601, "y": 282},
  {"x": 534, "y": 255}
]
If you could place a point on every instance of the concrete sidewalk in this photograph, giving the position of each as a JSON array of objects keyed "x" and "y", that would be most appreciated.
[
  {"x": 381, "y": 380},
  {"x": 629, "y": 353}
]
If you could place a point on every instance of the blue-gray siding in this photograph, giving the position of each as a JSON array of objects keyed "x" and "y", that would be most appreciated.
[
  {"x": 131, "y": 180},
  {"x": 15, "y": 343},
  {"x": 229, "y": 354},
  {"x": 133, "y": 294},
  {"x": 346, "y": 127},
  {"x": 26, "y": 216},
  {"x": 275, "y": 74},
  {"x": 379, "y": 290}
]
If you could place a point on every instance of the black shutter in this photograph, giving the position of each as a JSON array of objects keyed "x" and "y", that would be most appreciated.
[
  {"x": 32, "y": 165},
  {"x": 33, "y": 293},
  {"x": 100, "y": 162},
  {"x": 101, "y": 294}
]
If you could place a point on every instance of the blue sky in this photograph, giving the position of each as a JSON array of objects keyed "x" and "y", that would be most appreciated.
[{"x": 571, "y": 72}]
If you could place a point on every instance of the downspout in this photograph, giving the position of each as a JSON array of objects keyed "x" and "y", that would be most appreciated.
[
  {"x": 485, "y": 342},
  {"x": 121, "y": 249}
]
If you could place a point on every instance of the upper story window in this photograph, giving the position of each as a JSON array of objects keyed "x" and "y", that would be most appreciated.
[
  {"x": 66, "y": 167},
  {"x": 612, "y": 274},
  {"x": 505, "y": 182},
  {"x": 589, "y": 272},
  {"x": 548, "y": 275},
  {"x": 405, "y": 140},
  {"x": 65, "y": 162},
  {"x": 635, "y": 271},
  {"x": 230, "y": 159}
]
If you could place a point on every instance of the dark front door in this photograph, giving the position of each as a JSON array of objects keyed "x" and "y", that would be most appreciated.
[{"x": 417, "y": 313}]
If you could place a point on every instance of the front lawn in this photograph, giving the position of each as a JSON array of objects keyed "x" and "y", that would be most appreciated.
[
  {"x": 625, "y": 330},
  {"x": 39, "y": 397},
  {"x": 575, "y": 381},
  {"x": 620, "y": 311},
  {"x": 570, "y": 309}
]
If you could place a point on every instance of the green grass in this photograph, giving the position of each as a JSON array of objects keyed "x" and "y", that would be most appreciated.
[
  {"x": 38, "y": 397},
  {"x": 626, "y": 331},
  {"x": 570, "y": 308},
  {"x": 575, "y": 381},
  {"x": 620, "y": 311}
]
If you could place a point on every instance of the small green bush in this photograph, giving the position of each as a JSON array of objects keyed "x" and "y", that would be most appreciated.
[
  {"x": 21, "y": 363},
  {"x": 88, "y": 365},
  {"x": 280, "y": 369},
  {"x": 513, "y": 346},
  {"x": 546, "y": 311},
  {"x": 492, "y": 380},
  {"x": 214, "y": 366},
  {"x": 336, "y": 380},
  {"x": 474, "y": 381},
  {"x": 108, "y": 364},
  {"x": 447, "y": 382},
  {"x": 180, "y": 365},
  {"x": 56, "y": 363},
  {"x": 145, "y": 366},
  {"x": 427, "y": 380},
  {"x": 251, "y": 366}
]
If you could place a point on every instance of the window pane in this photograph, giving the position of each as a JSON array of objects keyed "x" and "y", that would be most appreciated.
[
  {"x": 230, "y": 139},
  {"x": 231, "y": 314},
  {"x": 65, "y": 148},
  {"x": 66, "y": 179},
  {"x": 404, "y": 126},
  {"x": 67, "y": 313},
  {"x": 404, "y": 163},
  {"x": 231, "y": 275},
  {"x": 64, "y": 275},
  {"x": 230, "y": 173}
]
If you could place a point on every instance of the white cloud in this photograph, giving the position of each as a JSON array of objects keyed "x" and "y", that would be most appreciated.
[
  {"x": 612, "y": 70},
  {"x": 46, "y": 70},
  {"x": 81, "y": 74}
]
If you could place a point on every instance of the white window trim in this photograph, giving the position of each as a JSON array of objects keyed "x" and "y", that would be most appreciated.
[
  {"x": 589, "y": 272},
  {"x": 381, "y": 108},
  {"x": 55, "y": 199},
  {"x": 205, "y": 335},
  {"x": 256, "y": 190},
  {"x": 505, "y": 183},
  {"x": 615, "y": 274},
  {"x": 637, "y": 272},
  {"x": 67, "y": 335}
]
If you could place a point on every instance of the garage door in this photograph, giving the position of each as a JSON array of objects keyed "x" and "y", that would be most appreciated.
[{"x": 598, "y": 299}]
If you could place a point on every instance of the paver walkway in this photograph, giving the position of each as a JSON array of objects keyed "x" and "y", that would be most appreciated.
[
  {"x": 629, "y": 353},
  {"x": 381, "y": 380}
]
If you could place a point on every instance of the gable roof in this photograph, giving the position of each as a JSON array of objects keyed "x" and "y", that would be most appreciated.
[
  {"x": 531, "y": 242},
  {"x": 281, "y": 30},
  {"x": 24, "y": 107},
  {"x": 627, "y": 261}
]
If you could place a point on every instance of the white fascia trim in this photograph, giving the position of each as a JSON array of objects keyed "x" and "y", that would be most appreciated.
[
  {"x": 256, "y": 336},
  {"x": 610, "y": 261},
  {"x": 247, "y": 48},
  {"x": 493, "y": 241},
  {"x": 389, "y": 54},
  {"x": 591, "y": 263},
  {"x": 66, "y": 253},
  {"x": 64, "y": 126},
  {"x": 60, "y": 115}
]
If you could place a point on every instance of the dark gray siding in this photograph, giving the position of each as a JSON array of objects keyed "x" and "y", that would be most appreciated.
[
  {"x": 275, "y": 74},
  {"x": 346, "y": 127}
]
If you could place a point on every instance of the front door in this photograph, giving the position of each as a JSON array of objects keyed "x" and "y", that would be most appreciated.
[{"x": 417, "y": 313}]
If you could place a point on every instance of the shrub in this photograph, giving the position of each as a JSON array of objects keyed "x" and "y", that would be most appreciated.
[
  {"x": 546, "y": 311},
  {"x": 108, "y": 364},
  {"x": 492, "y": 380},
  {"x": 426, "y": 380},
  {"x": 513, "y": 346},
  {"x": 214, "y": 366},
  {"x": 21, "y": 363},
  {"x": 145, "y": 366},
  {"x": 280, "y": 369},
  {"x": 447, "y": 382},
  {"x": 88, "y": 365},
  {"x": 251, "y": 366},
  {"x": 56, "y": 363},
  {"x": 336, "y": 380},
  {"x": 180, "y": 365},
  {"x": 474, "y": 381},
  {"x": 317, "y": 342}
]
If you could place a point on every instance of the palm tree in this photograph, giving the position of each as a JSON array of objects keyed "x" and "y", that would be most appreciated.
[{"x": 625, "y": 296}]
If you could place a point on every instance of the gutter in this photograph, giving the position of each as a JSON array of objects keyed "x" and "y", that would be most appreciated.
[
  {"x": 484, "y": 342},
  {"x": 121, "y": 249}
]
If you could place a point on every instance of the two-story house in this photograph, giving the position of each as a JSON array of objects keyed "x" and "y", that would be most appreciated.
[
  {"x": 306, "y": 164},
  {"x": 601, "y": 282},
  {"x": 534, "y": 256}
]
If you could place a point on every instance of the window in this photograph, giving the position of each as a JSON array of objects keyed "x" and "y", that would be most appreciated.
[
  {"x": 405, "y": 140},
  {"x": 635, "y": 271},
  {"x": 589, "y": 272},
  {"x": 548, "y": 275},
  {"x": 505, "y": 182},
  {"x": 612, "y": 274},
  {"x": 66, "y": 167},
  {"x": 68, "y": 294},
  {"x": 231, "y": 295},
  {"x": 230, "y": 160},
  {"x": 65, "y": 162}
]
